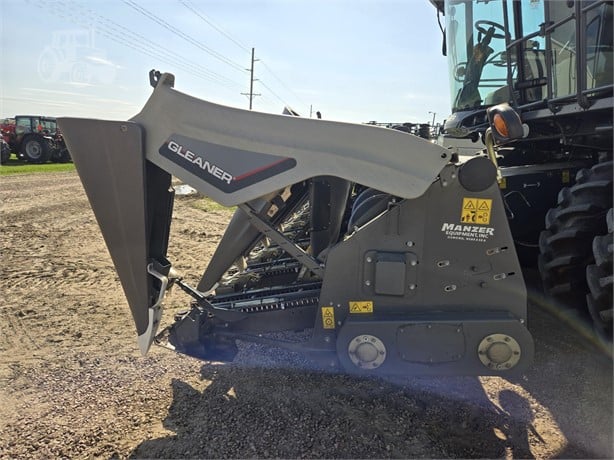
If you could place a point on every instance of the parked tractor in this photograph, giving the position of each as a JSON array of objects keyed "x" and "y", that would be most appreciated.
[
  {"x": 35, "y": 139},
  {"x": 552, "y": 62}
]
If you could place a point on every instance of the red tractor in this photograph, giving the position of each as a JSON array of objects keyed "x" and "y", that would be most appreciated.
[{"x": 35, "y": 139}]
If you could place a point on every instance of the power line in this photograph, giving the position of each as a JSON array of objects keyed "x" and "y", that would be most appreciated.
[
  {"x": 155, "y": 49},
  {"x": 251, "y": 93},
  {"x": 283, "y": 84},
  {"x": 86, "y": 17},
  {"x": 274, "y": 93},
  {"x": 209, "y": 21},
  {"x": 186, "y": 37},
  {"x": 137, "y": 42},
  {"x": 244, "y": 47}
]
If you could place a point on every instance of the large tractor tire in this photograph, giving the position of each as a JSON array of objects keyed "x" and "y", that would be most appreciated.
[
  {"x": 64, "y": 156},
  {"x": 599, "y": 279},
  {"x": 60, "y": 155},
  {"x": 5, "y": 152},
  {"x": 566, "y": 243},
  {"x": 35, "y": 149}
]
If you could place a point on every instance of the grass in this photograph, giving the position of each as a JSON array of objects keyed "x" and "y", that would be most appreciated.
[
  {"x": 207, "y": 204},
  {"x": 198, "y": 201},
  {"x": 15, "y": 166}
]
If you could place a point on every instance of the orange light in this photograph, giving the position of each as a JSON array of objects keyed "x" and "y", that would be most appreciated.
[{"x": 500, "y": 125}]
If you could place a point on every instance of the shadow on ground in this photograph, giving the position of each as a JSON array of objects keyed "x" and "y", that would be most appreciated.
[
  {"x": 275, "y": 413},
  {"x": 265, "y": 412}
]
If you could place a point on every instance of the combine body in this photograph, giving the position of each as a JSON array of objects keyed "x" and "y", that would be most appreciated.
[
  {"x": 399, "y": 256},
  {"x": 552, "y": 62},
  {"x": 393, "y": 253}
]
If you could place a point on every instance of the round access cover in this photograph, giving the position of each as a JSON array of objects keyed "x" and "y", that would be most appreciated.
[
  {"x": 499, "y": 352},
  {"x": 367, "y": 351}
]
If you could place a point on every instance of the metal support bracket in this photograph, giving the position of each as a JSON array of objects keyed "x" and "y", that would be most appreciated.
[
  {"x": 154, "y": 312},
  {"x": 271, "y": 232}
]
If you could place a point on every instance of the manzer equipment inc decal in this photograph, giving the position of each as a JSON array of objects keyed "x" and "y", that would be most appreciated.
[
  {"x": 474, "y": 218},
  {"x": 225, "y": 168}
]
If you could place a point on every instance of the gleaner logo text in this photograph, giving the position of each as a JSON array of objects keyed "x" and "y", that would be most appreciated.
[
  {"x": 199, "y": 161},
  {"x": 224, "y": 167}
]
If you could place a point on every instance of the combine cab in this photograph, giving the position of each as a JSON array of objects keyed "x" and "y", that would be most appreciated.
[
  {"x": 395, "y": 255},
  {"x": 552, "y": 63}
]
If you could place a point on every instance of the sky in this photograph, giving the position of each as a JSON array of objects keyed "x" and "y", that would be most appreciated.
[{"x": 354, "y": 61}]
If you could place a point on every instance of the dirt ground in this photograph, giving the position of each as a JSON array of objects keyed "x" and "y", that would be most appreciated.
[{"x": 73, "y": 384}]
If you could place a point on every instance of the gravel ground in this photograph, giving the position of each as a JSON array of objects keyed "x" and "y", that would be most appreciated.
[{"x": 73, "y": 385}]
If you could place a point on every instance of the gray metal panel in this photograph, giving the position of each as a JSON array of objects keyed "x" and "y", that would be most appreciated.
[
  {"x": 385, "y": 159},
  {"x": 390, "y": 277},
  {"x": 109, "y": 158},
  {"x": 436, "y": 342},
  {"x": 464, "y": 269}
]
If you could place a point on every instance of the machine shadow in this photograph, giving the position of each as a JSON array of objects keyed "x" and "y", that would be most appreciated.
[
  {"x": 248, "y": 412},
  {"x": 571, "y": 376},
  {"x": 269, "y": 407}
]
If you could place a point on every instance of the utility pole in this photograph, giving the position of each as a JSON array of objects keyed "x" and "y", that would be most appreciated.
[
  {"x": 251, "y": 94},
  {"x": 434, "y": 113}
]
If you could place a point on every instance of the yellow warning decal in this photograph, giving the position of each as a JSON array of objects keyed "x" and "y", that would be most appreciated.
[
  {"x": 565, "y": 176},
  {"x": 503, "y": 183},
  {"x": 476, "y": 211},
  {"x": 364, "y": 306},
  {"x": 328, "y": 317}
]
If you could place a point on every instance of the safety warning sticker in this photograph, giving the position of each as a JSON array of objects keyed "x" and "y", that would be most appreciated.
[
  {"x": 475, "y": 216},
  {"x": 365, "y": 306},
  {"x": 328, "y": 317},
  {"x": 476, "y": 211}
]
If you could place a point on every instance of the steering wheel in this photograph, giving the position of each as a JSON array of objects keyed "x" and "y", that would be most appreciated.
[{"x": 480, "y": 26}]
